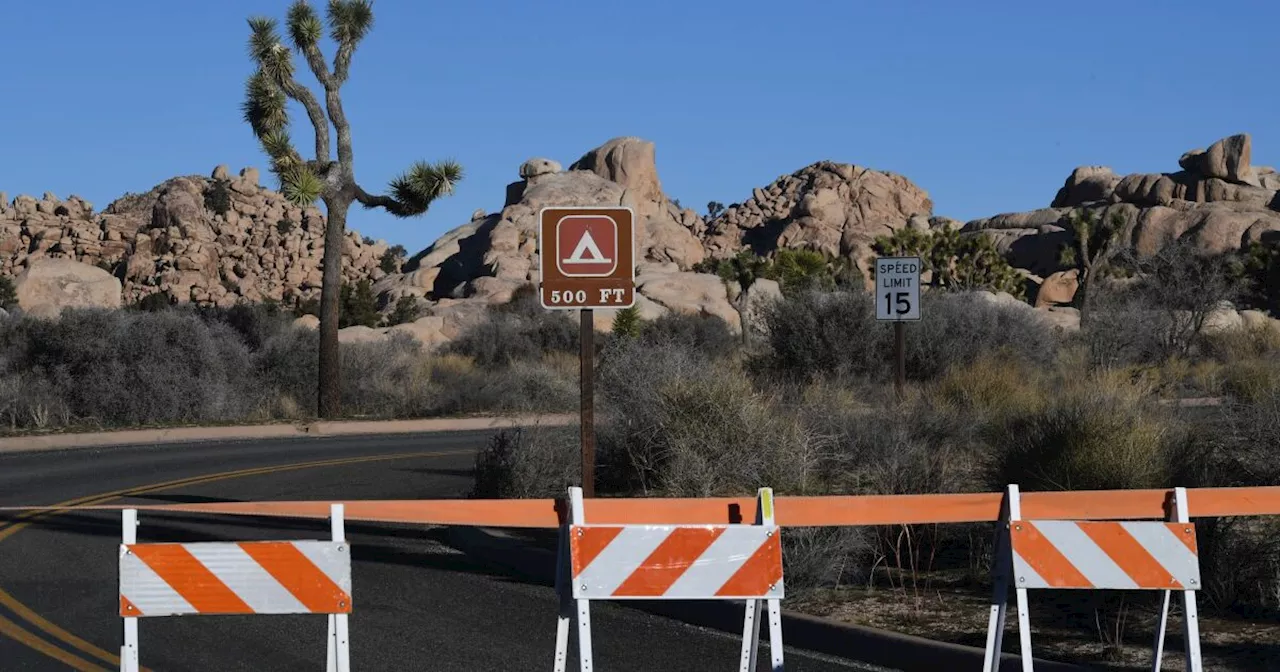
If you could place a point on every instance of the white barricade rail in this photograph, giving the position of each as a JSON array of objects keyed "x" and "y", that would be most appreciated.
[
  {"x": 247, "y": 577},
  {"x": 671, "y": 562},
  {"x": 1094, "y": 555}
]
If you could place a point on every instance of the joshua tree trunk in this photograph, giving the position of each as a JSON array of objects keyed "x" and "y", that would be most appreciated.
[{"x": 329, "y": 390}]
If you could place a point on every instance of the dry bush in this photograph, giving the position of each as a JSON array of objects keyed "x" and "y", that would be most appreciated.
[
  {"x": 528, "y": 463},
  {"x": 675, "y": 424},
  {"x": 835, "y": 335},
  {"x": 706, "y": 334},
  {"x": 1101, "y": 431},
  {"x": 130, "y": 368},
  {"x": 992, "y": 388},
  {"x": 518, "y": 387},
  {"x": 516, "y": 334},
  {"x": 1252, "y": 381},
  {"x": 381, "y": 378},
  {"x": 1247, "y": 344}
]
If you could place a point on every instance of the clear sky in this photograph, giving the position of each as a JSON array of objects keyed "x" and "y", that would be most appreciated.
[{"x": 986, "y": 105}]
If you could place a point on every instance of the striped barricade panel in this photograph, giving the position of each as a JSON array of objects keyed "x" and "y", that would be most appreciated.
[
  {"x": 618, "y": 562},
  {"x": 1129, "y": 555},
  {"x": 264, "y": 577}
]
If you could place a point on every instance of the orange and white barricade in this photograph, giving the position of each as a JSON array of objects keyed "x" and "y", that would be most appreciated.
[
  {"x": 670, "y": 562},
  {"x": 245, "y": 577},
  {"x": 1094, "y": 555}
]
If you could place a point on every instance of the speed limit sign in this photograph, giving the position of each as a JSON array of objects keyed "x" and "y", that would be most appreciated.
[{"x": 897, "y": 289}]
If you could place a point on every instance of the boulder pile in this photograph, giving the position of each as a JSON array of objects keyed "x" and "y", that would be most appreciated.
[{"x": 215, "y": 240}]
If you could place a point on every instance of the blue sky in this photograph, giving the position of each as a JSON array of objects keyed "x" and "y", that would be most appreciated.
[{"x": 986, "y": 105}]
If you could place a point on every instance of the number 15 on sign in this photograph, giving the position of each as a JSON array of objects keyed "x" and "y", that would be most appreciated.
[{"x": 897, "y": 289}]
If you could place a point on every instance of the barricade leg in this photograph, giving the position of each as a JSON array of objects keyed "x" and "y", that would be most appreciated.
[
  {"x": 751, "y": 637},
  {"x": 339, "y": 657},
  {"x": 1002, "y": 569},
  {"x": 578, "y": 610},
  {"x": 129, "y": 651},
  {"x": 1190, "y": 614},
  {"x": 751, "y": 623},
  {"x": 1190, "y": 617},
  {"x": 579, "y": 513},
  {"x": 775, "y": 634},
  {"x": 564, "y": 592}
]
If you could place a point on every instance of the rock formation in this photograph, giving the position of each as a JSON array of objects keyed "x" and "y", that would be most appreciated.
[
  {"x": 48, "y": 285},
  {"x": 209, "y": 240},
  {"x": 835, "y": 208},
  {"x": 487, "y": 259},
  {"x": 1218, "y": 201}
]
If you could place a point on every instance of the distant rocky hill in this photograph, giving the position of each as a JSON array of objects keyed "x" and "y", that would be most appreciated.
[
  {"x": 211, "y": 240},
  {"x": 223, "y": 239},
  {"x": 1219, "y": 201}
]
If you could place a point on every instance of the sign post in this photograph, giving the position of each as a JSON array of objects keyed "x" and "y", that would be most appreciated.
[
  {"x": 587, "y": 261},
  {"x": 897, "y": 297}
]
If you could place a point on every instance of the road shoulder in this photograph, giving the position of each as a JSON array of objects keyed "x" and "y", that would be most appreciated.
[{"x": 134, "y": 437}]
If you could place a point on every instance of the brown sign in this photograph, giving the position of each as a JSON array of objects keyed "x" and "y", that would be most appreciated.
[{"x": 587, "y": 257}]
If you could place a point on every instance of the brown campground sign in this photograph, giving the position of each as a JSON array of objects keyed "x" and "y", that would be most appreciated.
[{"x": 587, "y": 258}]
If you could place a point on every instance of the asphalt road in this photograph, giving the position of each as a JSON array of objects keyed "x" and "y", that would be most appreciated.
[{"x": 419, "y": 604}]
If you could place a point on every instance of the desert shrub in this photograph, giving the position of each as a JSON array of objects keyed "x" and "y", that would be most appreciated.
[
  {"x": 154, "y": 302},
  {"x": 824, "y": 557},
  {"x": 1240, "y": 557},
  {"x": 1128, "y": 332},
  {"x": 527, "y": 463},
  {"x": 960, "y": 327},
  {"x": 824, "y": 334},
  {"x": 254, "y": 322},
  {"x": 795, "y": 270},
  {"x": 1101, "y": 432},
  {"x": 30, "y": 401},
  {"x": 381, "y": 378},
  {"x": 675, "y": 424},
  {"x": 287, "y": 367},
  {"x": 358, "y": 306},
  {"x": 1259, "y": 271},
  {"x": 1252, "y": 380},
  {"x": 217, "y": 198},
  {"x": 991, "y": 388},
  {"x": 8, "y": 293},
  {"x": 392, "y": 259},
  {"x": 836, "y": 335},
  {"x": 955, "y": 262},
  {"x": 521, "y": 386},
  {"x": 284, "y": 226},
  {"x": 798, "y": 270},
  {"x": 504, "y": 337},
  {"x": 705, "y": 333},
  {"x": 407, "y": 309},
  {"x": 1240, "y": 345},
  {"x": 127, "y": 367},
  {"x": 627, "y": 323}
]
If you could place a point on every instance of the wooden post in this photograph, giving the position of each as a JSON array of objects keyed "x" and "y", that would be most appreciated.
[
  {"x": 900, "y": 355},
  {"x": 587, "y": 338}
]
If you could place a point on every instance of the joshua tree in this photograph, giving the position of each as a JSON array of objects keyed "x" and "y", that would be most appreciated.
[
  {"x": 304, "y": 181},
  {"x": 1095, "y": 240}
]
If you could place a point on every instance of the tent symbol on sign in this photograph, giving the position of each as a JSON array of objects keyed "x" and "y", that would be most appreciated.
[{"x": 591, "y": 243}]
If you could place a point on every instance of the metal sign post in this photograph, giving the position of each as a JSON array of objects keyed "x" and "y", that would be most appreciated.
[
  {"x": 897, "y": 297},
  {"x": 587, "y": 261}
]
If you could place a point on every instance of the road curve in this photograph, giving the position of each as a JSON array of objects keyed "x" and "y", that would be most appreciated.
[{"x": 419, "y": 604}]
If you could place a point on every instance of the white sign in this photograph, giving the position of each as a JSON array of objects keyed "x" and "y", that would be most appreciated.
[{"x": 897, "y": 289}]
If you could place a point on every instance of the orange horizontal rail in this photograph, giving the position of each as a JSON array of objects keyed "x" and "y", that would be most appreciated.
[{"x": 829, "y": 511}]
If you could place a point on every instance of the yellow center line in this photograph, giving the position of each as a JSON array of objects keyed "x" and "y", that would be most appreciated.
[
  {"x": 16, "y": 633},
  {"x": 11, "y": 629}
]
